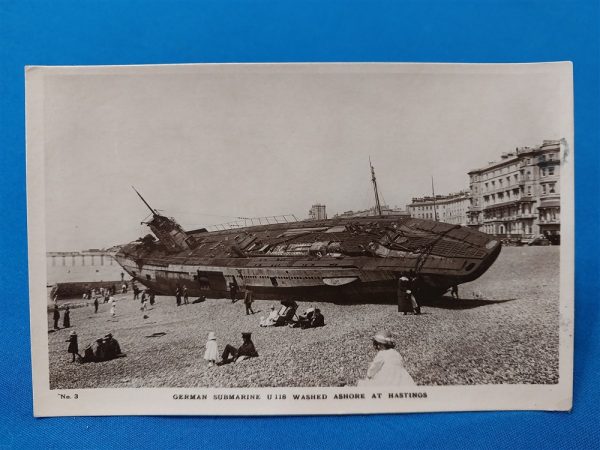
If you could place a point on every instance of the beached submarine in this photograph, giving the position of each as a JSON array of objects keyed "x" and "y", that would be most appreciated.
[{"x": 342, "y": 260}]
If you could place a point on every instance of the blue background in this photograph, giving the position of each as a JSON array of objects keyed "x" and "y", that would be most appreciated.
[{"x": 146, "y": 32}]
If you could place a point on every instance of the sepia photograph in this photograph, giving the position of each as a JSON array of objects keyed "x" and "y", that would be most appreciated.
[{"x": 300, "y": 238}]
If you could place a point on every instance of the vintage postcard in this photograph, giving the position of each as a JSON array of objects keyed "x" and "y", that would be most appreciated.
[{"x": 253, "y": 239}]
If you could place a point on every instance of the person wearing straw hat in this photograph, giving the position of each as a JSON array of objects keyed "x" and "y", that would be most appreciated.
[
  {"x": 387, "y": 369},
  {"x": 211, "y": 353},
  {"x": 73, "y": 345}
]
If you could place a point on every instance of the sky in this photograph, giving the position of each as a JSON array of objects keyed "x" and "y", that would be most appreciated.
[{"x": 209, "y": 143}]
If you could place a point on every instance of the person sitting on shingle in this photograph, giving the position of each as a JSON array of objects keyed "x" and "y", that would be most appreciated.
[{"x": 245, "y": 351}]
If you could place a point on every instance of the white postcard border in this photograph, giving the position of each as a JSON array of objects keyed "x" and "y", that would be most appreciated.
[{"x": 167, "y": 401}]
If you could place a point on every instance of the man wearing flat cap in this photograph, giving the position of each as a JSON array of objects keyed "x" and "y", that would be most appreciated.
[{"x": 246, "y": 350}]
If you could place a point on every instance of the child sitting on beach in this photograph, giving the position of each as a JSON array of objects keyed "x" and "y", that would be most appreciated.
[{"x": 211, "y": 353}]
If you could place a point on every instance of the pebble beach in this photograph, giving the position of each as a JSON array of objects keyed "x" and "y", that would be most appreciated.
[{"x": 503, "y": 329}]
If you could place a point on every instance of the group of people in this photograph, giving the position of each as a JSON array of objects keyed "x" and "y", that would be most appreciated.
[
  {"x": 101, "y": 292},
  {"x": 181, "y": 293},
  {"x": 102, "y": 349},
  {"x": 386, "y": 369},
  {"x": 248, "y": 297},
  {"x": 66, "y": 317},
  {"x": 286, "y": 315},
  {"x": 148, "y": 297},
  {"x": 230, "y": 353}
]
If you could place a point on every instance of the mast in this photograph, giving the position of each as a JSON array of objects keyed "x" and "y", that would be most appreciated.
[
  {"x": 374, "y": 180},
  {"x": 145, "y": 202},
  {"x": 434, "y": 206}
]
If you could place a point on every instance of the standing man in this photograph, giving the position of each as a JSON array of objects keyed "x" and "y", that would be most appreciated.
[
  {"x": 95, "y": 305},
  {"x": 233, "y": 290},
  {"x": 412, "y": 293},
  {"x": 178, "y": 296},
  {"x": 248, "y": 299},
  {"x": 67, "y": 318},
  {"x": 185, "y": 295},
  {"x": 404, "y": 303},
  {"x": 56, "y": 317},
  {"x": 151, "y": 295}
]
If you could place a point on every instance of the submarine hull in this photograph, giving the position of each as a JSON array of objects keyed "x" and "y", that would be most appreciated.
[{"x": 335, "y": 260}]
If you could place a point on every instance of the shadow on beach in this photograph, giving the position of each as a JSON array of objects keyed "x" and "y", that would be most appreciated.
[{"x": 461, "y": 303}]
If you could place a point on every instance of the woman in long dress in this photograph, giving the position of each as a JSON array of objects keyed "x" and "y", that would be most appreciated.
[{"x": 387, "y": 369}]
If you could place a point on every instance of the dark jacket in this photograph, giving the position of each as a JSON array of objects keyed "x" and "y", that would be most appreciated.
[
  {"x": 404, "y": 303},
  {"x": 112, "y": 348},
  {"x": 318, "y": 320},
  {"x": 73, "y": 346},
  {"x": 247, "y": 349}
]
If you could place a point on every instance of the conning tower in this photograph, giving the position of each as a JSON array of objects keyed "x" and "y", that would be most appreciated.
[{"x": 168, "y": 231}]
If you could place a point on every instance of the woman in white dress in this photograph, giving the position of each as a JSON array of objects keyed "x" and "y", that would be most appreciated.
[
  {"x": 211, "y": 353},
  {"x": 387, "y": 369}
]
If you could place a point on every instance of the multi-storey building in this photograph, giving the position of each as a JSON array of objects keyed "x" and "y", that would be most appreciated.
[
  {"x": 519, "y": 196},
  {"x": 317, "y": 212},
  {"x": 451, "y": 208}
]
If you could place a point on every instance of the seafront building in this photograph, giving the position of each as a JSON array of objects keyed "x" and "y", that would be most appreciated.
[
  {"x": 519, "y": 195},
  {"x": 451, "y": 208},
  {"x": 317, "y": 212}
]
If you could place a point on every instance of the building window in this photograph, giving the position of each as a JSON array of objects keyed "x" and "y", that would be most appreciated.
[
  {"x": 543, "y": 189},
  {"x": 552, "y": 188},
  {"x": 550, "y": 171},
  {"x": 544, "y": 172}
]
